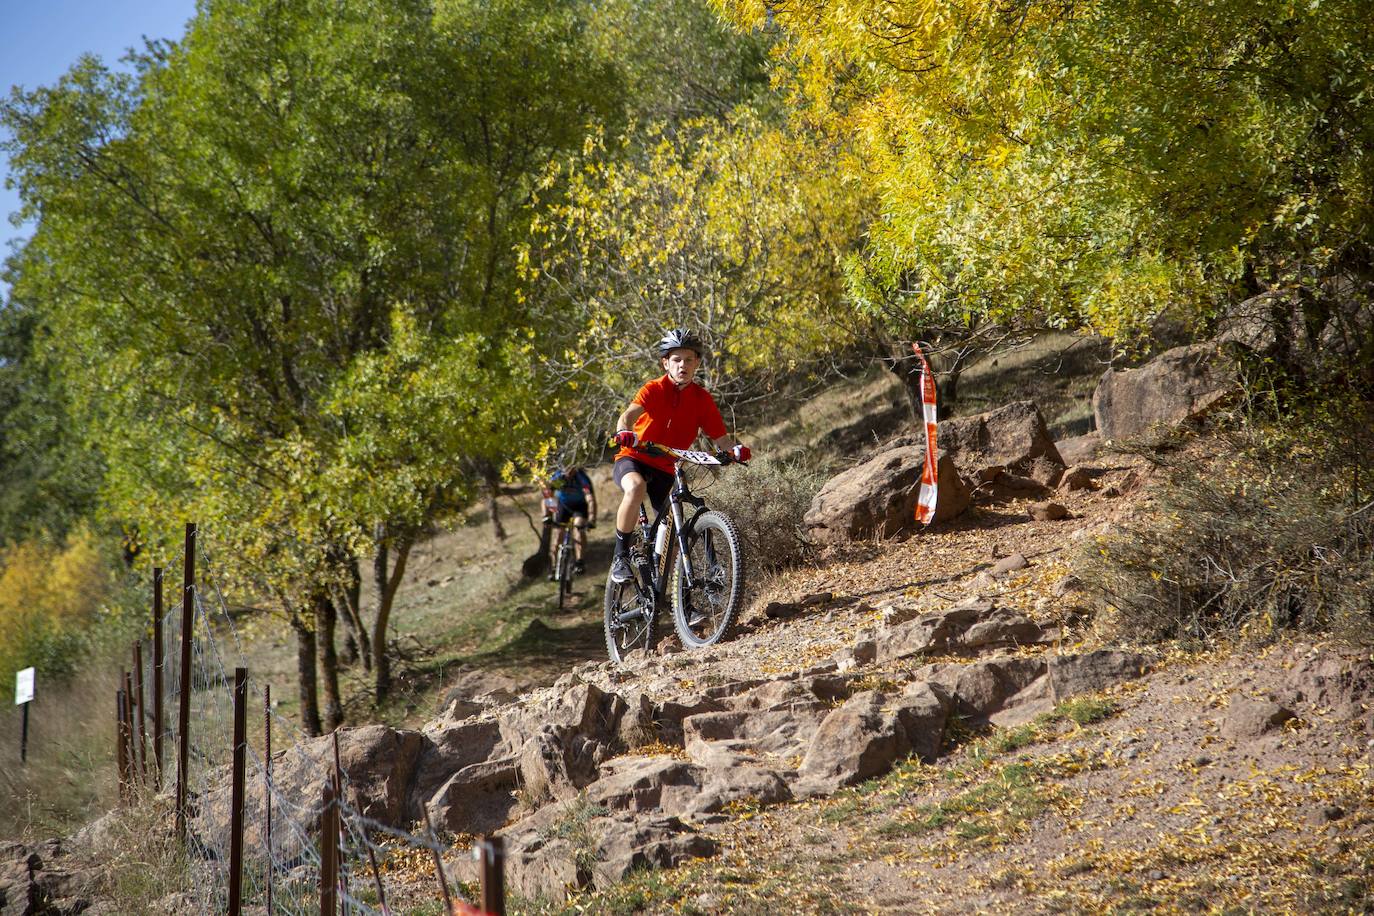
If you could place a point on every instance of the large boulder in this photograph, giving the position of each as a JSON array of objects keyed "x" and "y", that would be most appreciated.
[
  {"x": 879, "y": 496},
  {"x": 1175, "y": 386},
  {"x": 1013, "y": 439}
]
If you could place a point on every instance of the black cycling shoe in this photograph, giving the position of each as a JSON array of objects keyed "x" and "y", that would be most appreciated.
[
  {"x": 621, "y": 571},
  {"x": 579, "y": 567}
]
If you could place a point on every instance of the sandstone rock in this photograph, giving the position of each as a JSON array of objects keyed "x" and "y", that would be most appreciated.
[
  {"x": 1048, "y": 512},
  {"x": 1005, "y": 486},
  {"x": 1073, "y": 675},
  {"x": 1000, "y": 627},
  {"x": 570, "y": 846},
  {"x": 1076, "y": 478},
  {"x": 1008, "y": 565},
  {"x": 448, "y": 749},
  {"x": 878, "y": 497},
  {"x": 639, "y": 783},
  {"x": 984, "y": 688},
  {"x": 1012, "y": 437},
  {"x": 1175, "y": 386},
  {"x": 477, "y": 799},
  {"x": 723, "y": 739},
  {"x": 870, "y": 732},
  {"x": 1078, "y": 450}
]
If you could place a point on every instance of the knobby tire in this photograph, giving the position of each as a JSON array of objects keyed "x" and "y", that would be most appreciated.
[{"x": 718, "y": 566}]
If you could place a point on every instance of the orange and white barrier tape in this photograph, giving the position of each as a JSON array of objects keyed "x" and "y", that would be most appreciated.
[{"x": 925, "y": 502}]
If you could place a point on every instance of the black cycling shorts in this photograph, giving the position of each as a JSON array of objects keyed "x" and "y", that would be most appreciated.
[
  {"x": 660, "y": 481},
  {"x": 567, "y": 513}
]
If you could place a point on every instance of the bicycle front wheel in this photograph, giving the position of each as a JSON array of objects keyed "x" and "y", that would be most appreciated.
[
  {"x": 703, "y": 612},
  {"x": 628, "y": 621},
  {"x": 565, "y": 576}
]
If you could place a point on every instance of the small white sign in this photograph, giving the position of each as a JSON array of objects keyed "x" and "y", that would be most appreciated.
[{"x": 23, "y": 686}]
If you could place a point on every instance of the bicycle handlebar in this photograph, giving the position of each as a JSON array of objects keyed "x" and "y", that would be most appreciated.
[{"x": 691, "y": 456}]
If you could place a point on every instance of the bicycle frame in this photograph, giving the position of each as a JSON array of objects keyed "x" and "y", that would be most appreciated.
[{"x": 659, "y": 570}]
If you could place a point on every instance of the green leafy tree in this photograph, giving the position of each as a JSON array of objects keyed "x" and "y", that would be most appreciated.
[{"x": 247, "y": 247}]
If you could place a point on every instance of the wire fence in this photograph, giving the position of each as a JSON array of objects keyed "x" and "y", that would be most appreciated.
[{"x": 254, "y": 841}]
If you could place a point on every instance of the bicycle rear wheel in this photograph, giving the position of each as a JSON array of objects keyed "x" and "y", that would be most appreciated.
[
  {"x": 628, "y": 621},
  {"x": 703, "y": 613}
]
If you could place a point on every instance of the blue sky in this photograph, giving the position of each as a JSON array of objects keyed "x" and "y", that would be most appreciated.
[{"x": 39, "y": 40}]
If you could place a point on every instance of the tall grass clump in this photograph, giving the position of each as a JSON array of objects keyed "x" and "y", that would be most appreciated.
[
  {"x": 1275, "y": 534},
  {"x": 767, "y": 502}
]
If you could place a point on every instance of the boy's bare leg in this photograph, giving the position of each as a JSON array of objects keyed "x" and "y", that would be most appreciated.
[{"x": 628, "y": 514}]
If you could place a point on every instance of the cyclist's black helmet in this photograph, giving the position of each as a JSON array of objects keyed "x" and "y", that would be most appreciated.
[{"x": 680, "y": 338}]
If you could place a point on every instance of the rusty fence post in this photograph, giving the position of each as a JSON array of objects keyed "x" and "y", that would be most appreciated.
[
  {"x": 130, "y": 757},
  {"x": 329, "y": 862},
  {"x": 267, "y": 786},
  {"x": 237, "y": 792},
  {"x": 141, "y": 720},
  {"x": 120, "y": 763},
  {"x": 158, "y": 652},
  {"x": 188, "y": 604},
  {"x": 491, "y": 851}
]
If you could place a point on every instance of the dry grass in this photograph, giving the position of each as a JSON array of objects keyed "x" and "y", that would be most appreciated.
[{"x": 70, "y": 771}]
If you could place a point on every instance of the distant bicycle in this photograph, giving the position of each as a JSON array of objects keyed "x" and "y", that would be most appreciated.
[
  {"x": 565, "y": 559},
  {"x": 693, "y": 563}
]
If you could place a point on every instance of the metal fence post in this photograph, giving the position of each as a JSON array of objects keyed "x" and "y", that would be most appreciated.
[
  {"x": 267, "y": 786},
  {"x": 158, "y": 727},
  {"x": 120, "y": 748},
  {"x": 237, "y": 792},
  {"x": 188, "y": 603},
  {"x": 492, "y": 851},
  {"x": 329, "y": 863},
  {"x": 141, "y": 720}
]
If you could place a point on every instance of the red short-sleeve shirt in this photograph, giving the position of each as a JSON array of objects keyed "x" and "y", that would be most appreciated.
[{"x": 673, "y": 416}]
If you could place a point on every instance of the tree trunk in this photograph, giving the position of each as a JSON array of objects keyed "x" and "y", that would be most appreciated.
[
  {"x": 388, "y": 582},
  {"x": 325, "y": 616},
  {"x": 305, "y": 671},
  {"x": 357, "y": 645},
  {"x": 494, "y": 511}
]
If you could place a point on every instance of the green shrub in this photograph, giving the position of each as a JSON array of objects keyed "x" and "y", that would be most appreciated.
[
  {"x": 1268, "y": 539},
  {"x": 767, "y": 501}
]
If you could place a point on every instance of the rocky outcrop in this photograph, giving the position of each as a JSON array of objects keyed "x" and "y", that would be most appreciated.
[
  {"x": 1175, "y": 386},
  {"x": 878, "y": 497}
]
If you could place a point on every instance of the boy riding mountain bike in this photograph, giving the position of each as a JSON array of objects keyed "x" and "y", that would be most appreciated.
[
  {"x": 670, "y": 410},
  {"x": 573, "y": 499}
]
